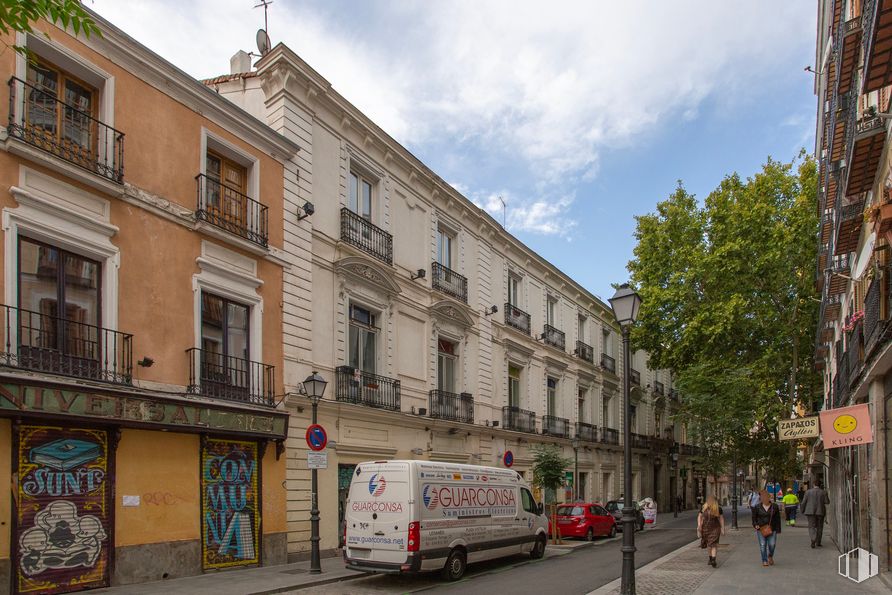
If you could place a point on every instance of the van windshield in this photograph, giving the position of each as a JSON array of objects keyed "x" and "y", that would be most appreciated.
[
  {"x": 613, "y": 506},
  {"x": 570, "y": 511}
]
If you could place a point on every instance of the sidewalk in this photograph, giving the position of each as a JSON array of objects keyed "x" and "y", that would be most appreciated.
[{"x": 798, "y": 569}]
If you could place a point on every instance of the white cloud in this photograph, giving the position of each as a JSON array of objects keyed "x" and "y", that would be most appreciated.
[
  {"x": 548, "y": 86},
  {"x": 544, "y": 215}
]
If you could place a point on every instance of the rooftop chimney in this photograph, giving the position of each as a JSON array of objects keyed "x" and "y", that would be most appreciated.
[{"x": 240, "y": 62}]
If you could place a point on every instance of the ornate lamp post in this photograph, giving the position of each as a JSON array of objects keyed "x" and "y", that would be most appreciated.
[
  {"x": 313, "y": 389},
  {"x": 625, "y": 303}
]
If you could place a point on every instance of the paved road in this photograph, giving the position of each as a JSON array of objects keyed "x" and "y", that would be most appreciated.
[{"x": 578, "y": 572}]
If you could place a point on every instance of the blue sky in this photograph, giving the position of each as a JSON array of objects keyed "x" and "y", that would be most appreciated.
[{"x": 580, "y": 114}]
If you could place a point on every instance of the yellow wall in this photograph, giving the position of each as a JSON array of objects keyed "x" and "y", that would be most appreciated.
[
  {"x": 5, "y": 487},
  {"x": 273, "y": 492},
  {"x": 162, "y": 468}
]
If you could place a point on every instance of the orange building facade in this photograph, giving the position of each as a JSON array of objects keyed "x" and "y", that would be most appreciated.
[{"x": 141, "y": 429}]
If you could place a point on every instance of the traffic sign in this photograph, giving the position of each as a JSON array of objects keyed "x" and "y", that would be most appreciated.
[
  {"x": 316, "y": 437},
  {"x": 508, "y": 458}
]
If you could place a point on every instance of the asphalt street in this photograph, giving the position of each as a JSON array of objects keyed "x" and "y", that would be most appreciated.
[{"x": 578, "y": 572}]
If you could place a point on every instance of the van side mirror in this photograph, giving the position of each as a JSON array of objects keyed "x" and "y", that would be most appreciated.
[{"x": 540, "y": 508}]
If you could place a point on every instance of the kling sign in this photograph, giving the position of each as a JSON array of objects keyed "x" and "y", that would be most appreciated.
[
  {"x": 799, "y": 428},
  {"x": 846, "y": 426}
]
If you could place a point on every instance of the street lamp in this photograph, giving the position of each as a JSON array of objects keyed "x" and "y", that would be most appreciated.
[
  {"x": 313, "y": 389},
  {"x": 575, "y": 444},
  {"x": 625, "y": 303},
  {"x": 734, "y": 503}
]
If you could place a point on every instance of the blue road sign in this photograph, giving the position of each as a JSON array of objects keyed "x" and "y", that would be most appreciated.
[{"x": 316, "y": 437}]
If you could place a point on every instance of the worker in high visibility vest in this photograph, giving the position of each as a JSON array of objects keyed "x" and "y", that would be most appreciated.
[{"x": 791, "y": 507}]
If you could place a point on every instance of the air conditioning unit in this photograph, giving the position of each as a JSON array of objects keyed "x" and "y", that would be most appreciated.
[
  {"x": 422, "y": 411},
  {"x": 495, "y": 423}
]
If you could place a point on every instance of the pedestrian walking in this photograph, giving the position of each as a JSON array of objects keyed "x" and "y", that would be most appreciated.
[
  {"x": 791, "y": 507},
  {"x": 710, "y": 526},
  {"x": 814, "y": 506},
  {"x": 754, "y": 498},
  {"x": 766, "y": 522}
]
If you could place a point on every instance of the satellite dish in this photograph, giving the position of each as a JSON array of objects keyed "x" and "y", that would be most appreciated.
[{"x": 262, "y": 42}]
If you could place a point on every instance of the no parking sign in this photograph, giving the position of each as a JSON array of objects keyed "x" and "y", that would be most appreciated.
[{"x": 316, "y": 437}]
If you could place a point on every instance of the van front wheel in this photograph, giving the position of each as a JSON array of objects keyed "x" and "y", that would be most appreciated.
[
  {"x": 538, "y": 548},
  {"x": 455, "y": 565}
]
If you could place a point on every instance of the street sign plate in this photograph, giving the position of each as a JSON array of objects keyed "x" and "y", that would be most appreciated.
[
  {"x": 316, "y": 437},
  {"x": 317, "y": 460}
]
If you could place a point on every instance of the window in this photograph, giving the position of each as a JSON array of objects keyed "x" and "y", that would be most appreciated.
[
  {"x": 514, "y": 290},
  {"x": 363, "y": 340},
  {"x": 528, "y": 502},
  {"x": 658, "y": 424},
  {"x": 359, "y": 199},
  {"x": 61, "y": 109},
  {"x": 513, "y": 386},
  {"x": 605, "y": 413},
  {"x": 224, "y": 343},
  {"x": 227, "y": 188},
  {"x": 445, "y": 241},
  {"x": 550, "y": 311},
  {"x": 580, "y": 405},
  {"x": 608, "y": 342},
  {"x": 59, "y": 292},
  {"x": 633, "y": 417},
  {"x": 551, "y": 385},
  {"x": 446, "y": 365},
  {"x": 580, "y": 325}
]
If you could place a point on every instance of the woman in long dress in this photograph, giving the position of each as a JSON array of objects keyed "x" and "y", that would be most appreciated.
[{"x": 710, "y": 526}]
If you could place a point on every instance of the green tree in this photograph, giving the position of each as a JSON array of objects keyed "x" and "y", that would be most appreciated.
[
  {"x": 18, "y": 15},
  {"x": 548, "y": 473},
  {"x": 730, "y": 307}
]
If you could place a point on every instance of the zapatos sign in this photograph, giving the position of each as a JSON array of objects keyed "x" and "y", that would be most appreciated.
[{"x": 799, "y": 429}]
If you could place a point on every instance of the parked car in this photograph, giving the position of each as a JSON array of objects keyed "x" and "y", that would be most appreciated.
[
  {"x": 615, "y": 507},
  {"x": 584, "y": 519}
]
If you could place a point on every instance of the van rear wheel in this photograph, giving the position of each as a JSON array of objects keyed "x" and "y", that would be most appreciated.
[
  {"x": 455, "y": 566},
  {"x": 538, "y": 548}
]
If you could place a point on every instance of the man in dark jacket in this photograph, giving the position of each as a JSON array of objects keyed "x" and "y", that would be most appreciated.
[{"x": 814, "y": 506}]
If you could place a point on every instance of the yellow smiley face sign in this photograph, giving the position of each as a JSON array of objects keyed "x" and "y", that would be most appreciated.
[{"x": 845, "y": 424}]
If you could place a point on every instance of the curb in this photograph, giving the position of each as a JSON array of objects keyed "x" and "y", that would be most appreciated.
[
  {"x": 616, "y": 583},
  {"x": 316, "y": 583}
]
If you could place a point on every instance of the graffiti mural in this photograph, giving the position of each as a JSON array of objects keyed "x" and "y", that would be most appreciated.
[
  {"x": 62, "y": 510},
  {"x": 230, "y": 526}
]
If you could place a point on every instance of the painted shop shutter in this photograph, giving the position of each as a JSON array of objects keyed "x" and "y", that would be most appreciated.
[
  {"x": 63, "y": 515},
  {"x": 230, "y": 503}
]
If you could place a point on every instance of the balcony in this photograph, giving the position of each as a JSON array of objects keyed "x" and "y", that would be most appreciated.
[
  {"x": 231, "y": 378},
  {"x": 555, "y": 426},
  {"x": 39, "y": 119},
  {"x": 848, "y": 52},
  {"x": 635, "y": 377},
  {"x": 552, "y": 336},
  {"x": 585, "y": 352},
  {"x": 608, "y": 363},
  {"x": 850, "y": 218},
  {"x": 609, "y": 436},
  {"x": 586, "y": 432},
  {"x": 641, "y": 441},
  {"x": 839, "y": 273},
  {"x": 521, "y": 420},
  {"x": 877, "y": 25},
  {"x": 876, "y": 308},
  {"x": 362, "y": 234},
  {"x": 451, "y": 406},
  {"x": 517, "y": 319},
  {"x": 854, "y": 343},
  {"x": 865, "y": 138},
  {"x": 42, "y": 343},
  {"x": 364, "y": 388},
  {"x": 673, "y": 394},
  {"x": 659, "y": 388},
  {"x": 449, "y": 282},
  {"x": 231, "y": 211}
]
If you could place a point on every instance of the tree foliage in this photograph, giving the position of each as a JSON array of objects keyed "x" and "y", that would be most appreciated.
[
  {"x": 729, "y": 306},
  {"x": 548, "y": 466},
  {"x": 18, "y": 15}
]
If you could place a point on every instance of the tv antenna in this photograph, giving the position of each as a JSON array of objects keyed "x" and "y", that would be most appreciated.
[
  {"x": 504, "y": 211},
  {"x": 263, "y": 43}
]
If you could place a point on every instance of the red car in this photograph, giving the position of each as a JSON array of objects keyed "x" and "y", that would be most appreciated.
[{"x": 584, "y": 520}]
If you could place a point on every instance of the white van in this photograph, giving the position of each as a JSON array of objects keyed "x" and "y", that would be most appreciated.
[{"x": 411, "y": 516}]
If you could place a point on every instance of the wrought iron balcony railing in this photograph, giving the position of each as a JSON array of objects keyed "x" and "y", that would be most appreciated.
[
  {"x": 552, "y": 336},
  {"x": 585, "y": 352},
  {"x": 555, "y": 426},
  {"x": 521, "y": 420},
  {"x": 854, "y": 343},
  {"x": 517, "y": 318},
  {"x": 363, "y": 388},
  {"x": 361, "y": 233},
  {"x": 635, "y": 377},
  {"x": 586, "y": 431},
  {"x": 231, "y": 378},
  {"x": 608, "y": 363},
  {"x": 659, "y": 388},
  {"x": 39, "y": 118},
  {"x": 641, "y": 441},
  {"x": 451, "y": 406},
  {"x": 43, "y": 343},
  {"x": 609, "y": 436},
  {"x": 449, "y": 282},
  {"x": 231, "y": 211}
]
